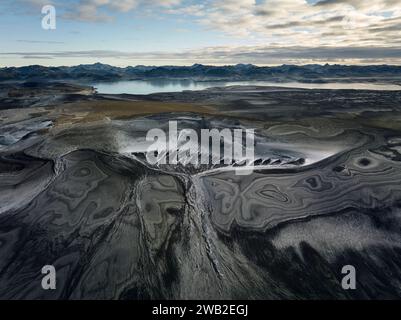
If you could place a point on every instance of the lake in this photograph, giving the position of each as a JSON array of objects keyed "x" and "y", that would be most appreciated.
[{"x": 162, "y": 85}]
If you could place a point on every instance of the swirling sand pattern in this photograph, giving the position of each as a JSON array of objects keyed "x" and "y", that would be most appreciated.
[
  {"x": 360, "y": 179},
  {"x": 74, "y": 196},
  {"x": 87, "y": 223}
]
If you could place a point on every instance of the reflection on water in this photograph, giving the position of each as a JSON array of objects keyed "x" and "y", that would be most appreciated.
[{"x": 165, "y": 85}]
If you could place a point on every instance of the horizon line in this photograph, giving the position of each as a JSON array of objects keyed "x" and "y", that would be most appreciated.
[{"x": 205, "y": 65}]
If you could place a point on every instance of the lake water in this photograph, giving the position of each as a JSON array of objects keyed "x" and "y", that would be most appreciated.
[{"x": 153, "y": 86}]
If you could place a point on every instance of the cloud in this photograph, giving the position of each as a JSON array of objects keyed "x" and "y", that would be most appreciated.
[
  {"x": 25, "y": 6},
  {"x": 268, "y": 24},
  {"x": 289, "y": 22},
  {"x": 262, "y": 55},
  {"x": 326, "y": 22},
  {"x": 41, "y": 41},
  {"x": 197, "y": 10},
  {"x": 88, "y": 10}
]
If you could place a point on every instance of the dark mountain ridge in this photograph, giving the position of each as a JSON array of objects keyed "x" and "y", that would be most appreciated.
[{"x": 104, "y": 72}]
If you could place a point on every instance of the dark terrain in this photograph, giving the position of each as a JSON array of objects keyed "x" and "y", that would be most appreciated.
[{"x": 76, "y": 192}]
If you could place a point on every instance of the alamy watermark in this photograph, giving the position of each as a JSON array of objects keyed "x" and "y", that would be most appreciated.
[
  {"x": 211, "y": 148},
  {"x": 349, "y": 280},
  {"x": 49, "y": 280},
  {"x": 49, "y": 20}
]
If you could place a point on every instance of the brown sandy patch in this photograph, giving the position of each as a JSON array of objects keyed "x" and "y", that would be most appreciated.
[
  {"x": 91, "y": 111},
  {"x": 390, "y": 121}
]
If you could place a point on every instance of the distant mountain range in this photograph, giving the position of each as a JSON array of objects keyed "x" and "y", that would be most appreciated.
[{"x": 103, "y": 72}]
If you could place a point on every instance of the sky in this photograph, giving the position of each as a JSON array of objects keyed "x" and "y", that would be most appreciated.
[{"x": 185, "y": 32}]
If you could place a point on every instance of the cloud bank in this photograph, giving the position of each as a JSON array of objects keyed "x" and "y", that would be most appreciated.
[
  {"x": 281, "y": 31},
  {"x": 260, "y": 55}
]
